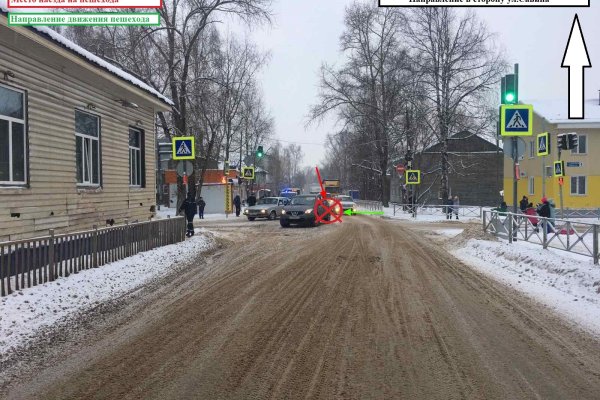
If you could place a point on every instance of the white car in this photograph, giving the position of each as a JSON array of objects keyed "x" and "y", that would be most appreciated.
[
  {"x": 347, "y": 203},
  {"x": 268, "y": 207}
]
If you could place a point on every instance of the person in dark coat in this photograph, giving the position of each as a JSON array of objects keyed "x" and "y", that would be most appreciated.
[
  {"x": 201, "y": 205},
  {"x": 237, "y": 202},
  {"x": 523, "y": 204},
  {"x": 544, "y": 211},
  {"x": 449, "y": 208},
  {"x": 189, "y": 207},
  {"x": 251, "y": 200}
]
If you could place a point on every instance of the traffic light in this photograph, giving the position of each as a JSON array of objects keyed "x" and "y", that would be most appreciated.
[
  {"x": 259, "y": 152},
  {"x": 563, "y": 142},
  {"x": 509, "y": 92},
  {"x": 573, "y": 141}
]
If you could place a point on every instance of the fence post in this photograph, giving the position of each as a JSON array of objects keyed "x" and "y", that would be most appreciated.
[
  {"x": 127, "y": 252},
  {"x": 95, "y": 247},
  {"x": 545, "y": 233},
  {"x": 484, "y": 217},
  {"x": 51, "y": 255},
  {"x": 595, "y": 246},
  {"x": 510, "y": 228}
]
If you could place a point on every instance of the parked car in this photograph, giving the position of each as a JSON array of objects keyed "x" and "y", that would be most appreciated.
[
  {"x": 301, "y": 211},
  {"x": 268, "y": 207},
  {"x": 347, "y": 203}
]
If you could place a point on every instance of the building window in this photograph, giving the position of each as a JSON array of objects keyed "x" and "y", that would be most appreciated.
[
  {"x": 531, "y": 149},
  {"x": 578, "y": 185},
  {"x": 87, "y": 136},
  {"x": 549, "y": 171},
  {"x": 13, "y": 137},
  {"x": 531, "y": 185},
  {"x": 136, "y": 158},
  {"x": 581, "y": 146}
]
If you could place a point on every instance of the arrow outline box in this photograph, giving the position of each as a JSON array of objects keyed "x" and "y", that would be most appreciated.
[
  {"x": 504, "y": 108},
  {"x": 176, "y": 139}
]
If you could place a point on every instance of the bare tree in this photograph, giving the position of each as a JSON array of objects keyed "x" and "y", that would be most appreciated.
[
  {"x": 367, "y": 91},
  {"x": 457, "y": 66}
]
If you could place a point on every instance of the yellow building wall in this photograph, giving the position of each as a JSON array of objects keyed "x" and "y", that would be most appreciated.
[{"x": 532, "y": 167}]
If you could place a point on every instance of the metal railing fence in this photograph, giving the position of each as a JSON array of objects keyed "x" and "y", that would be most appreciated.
[
  {"x": 575, "y": 237},
  {"x": 30, "y": 262},
  {"x": 369, "y": 205},
  {"x": 464, "y": 211}
]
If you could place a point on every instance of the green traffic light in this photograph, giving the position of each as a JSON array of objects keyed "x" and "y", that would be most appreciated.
[{"x": 510, "y": 97}]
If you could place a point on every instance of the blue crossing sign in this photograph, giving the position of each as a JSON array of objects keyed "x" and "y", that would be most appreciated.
[
  {"x": 184, "y": 148},
  {"x": 516, "y": 120}
]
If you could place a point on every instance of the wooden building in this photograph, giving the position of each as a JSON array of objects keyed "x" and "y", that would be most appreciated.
[
  {"x": 476, "y": 173},
  {"x": 77, "y": 137}
]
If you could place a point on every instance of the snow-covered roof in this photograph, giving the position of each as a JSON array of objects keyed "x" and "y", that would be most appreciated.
[
  {"x": 557, "y": 111},
  {"x": 92, "y": 58}
]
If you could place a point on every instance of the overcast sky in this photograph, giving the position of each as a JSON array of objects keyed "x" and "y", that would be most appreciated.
[{"x": 305, "y": 34}]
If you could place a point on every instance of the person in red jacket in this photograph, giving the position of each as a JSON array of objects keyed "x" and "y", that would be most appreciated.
[{"x": 532, "y": 212}]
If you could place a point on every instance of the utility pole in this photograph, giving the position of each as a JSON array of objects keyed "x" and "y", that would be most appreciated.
[{"x": 515, "y": 144}]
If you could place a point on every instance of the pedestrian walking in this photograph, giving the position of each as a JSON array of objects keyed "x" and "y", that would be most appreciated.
[
  {"x": 449, "y": 203},
  {"x": 532, "y": 213},
  {"x": 251, "y": 200},
  {"x": 189, "y": 207},
  {"x": 502, "y": 209},
  {"x": 237, "y": 202},
  {"x": 544, "y": 211},
  {"x": 523, "y": 204},
  {"x": 201, "y": 205},
  {"x": 456, "y": 206}
]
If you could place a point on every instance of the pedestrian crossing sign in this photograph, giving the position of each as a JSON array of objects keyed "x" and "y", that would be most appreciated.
[
  {"x": 184, "y": 148},
  {"x": 516, "y": 120},
  {"x": 413, "y": 177},
  {"x": 543, "y": 144},
  {"x": 559, "y": 169},
  {"x": 248, "y": 173}
]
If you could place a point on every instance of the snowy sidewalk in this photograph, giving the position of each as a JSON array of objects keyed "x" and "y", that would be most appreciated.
[
  {"x": 567, "y": 283},
  {"x": 25, "y": 312}
]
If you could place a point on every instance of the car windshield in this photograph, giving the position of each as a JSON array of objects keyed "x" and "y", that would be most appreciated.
[
  {"x": 268, "y": 200},
  {"x": 345, "y": 198},
  {"x": 303, "y": 201}
]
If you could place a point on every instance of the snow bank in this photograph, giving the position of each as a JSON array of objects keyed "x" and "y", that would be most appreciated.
[
  {"x": 24, "y": 312},
  {"x": 567, "y": 283}
]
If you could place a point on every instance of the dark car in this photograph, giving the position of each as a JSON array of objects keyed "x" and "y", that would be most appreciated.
[{"x": 300, "y": 210}]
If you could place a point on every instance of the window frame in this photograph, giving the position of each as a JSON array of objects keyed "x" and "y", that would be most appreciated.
[
  {"x": 11, "y": 121},
  {"x": 142, "y": 157},
  {"x": 532, "y": 149},
  {"x": 577, "y": 153},
  {"x": 84, "y": 137},
  {"x": 531, "y": 185},
  {"x": 577, "y": 194}
]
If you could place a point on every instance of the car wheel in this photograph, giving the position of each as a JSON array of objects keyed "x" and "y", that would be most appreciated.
[
  {"x": 251, "y": 218},
  {"x": 272, "y": 215},
  {"x": 284, "y": 224}
]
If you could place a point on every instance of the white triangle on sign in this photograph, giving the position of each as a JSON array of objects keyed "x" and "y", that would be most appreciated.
[
  {"x": 558, "y": 169},
  {"x": 412, "y": 178},
  {"x": 183, "y": 149},
  {"x": 516, "y": 122},
  {"x": 248, "y": 173}
]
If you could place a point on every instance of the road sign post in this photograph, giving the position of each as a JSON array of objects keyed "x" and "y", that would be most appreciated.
[{"x": 184, "y": 149}]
